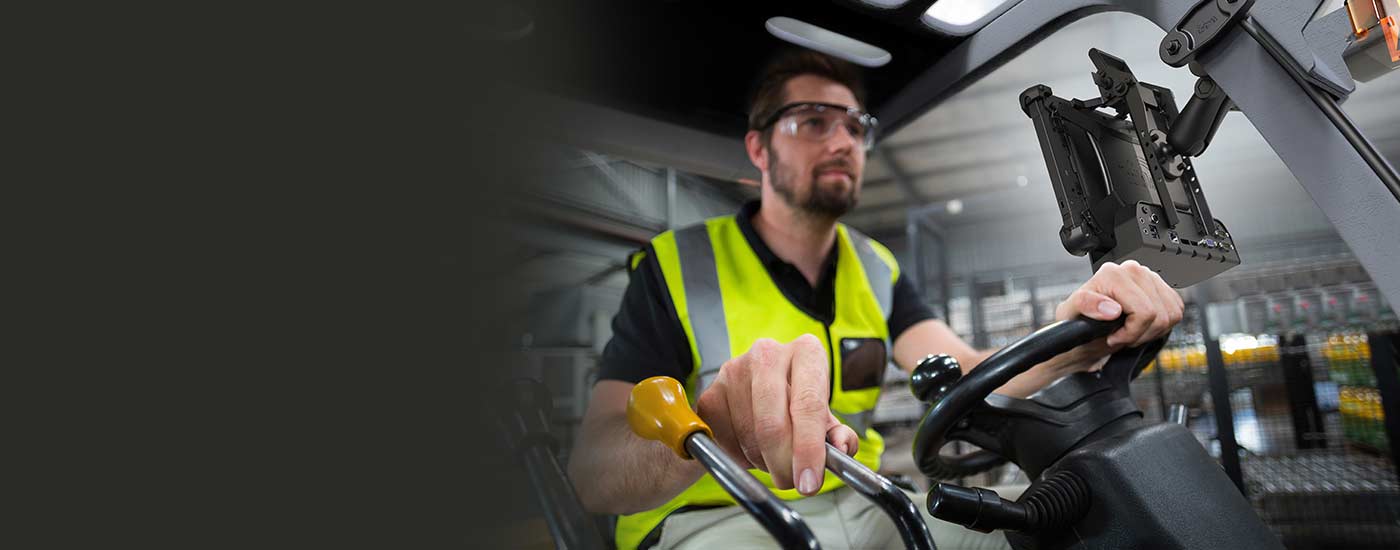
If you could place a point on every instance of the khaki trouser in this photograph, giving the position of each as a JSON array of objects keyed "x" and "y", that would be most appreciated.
[{"x": 841, "y": 519}]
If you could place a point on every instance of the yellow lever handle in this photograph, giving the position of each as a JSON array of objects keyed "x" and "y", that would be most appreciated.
[{"x": 657, "y": 410}]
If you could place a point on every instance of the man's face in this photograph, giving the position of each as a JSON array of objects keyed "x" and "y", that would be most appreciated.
[{"x": 820, "y": 178}]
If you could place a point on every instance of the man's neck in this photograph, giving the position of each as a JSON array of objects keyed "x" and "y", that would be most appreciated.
[{"x": 796, "y": 237}]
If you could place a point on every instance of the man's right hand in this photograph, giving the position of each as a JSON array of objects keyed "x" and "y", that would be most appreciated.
[{"x": 768, "y": 407}]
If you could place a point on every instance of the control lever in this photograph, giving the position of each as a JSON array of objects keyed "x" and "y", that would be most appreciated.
[
  {"x": 658, "y": 404},
  {"x": 657, "y": 410},
  {"x": 885, "y": 494}
]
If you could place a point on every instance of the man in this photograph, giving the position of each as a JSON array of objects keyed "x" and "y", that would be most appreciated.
[{"x": 777, "y": 320}]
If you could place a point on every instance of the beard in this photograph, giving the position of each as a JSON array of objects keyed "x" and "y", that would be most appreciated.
[{"x": 820, "y": 202}]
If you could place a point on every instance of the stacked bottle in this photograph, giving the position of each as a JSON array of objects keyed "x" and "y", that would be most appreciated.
[
  {"x": 1245, "y": 350},
  {"x": 1348, "y": 356},
  {"x": 1182, "y": 357},
  {"x": 1191, "y": 357},
  {"x": 1363, "y": 421}
]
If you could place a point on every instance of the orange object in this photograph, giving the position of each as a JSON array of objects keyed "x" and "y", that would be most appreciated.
[
  {"x": 1392, "y": 37},
  {"x": 657, "y": 410},
  {"x": 1361, "y": 16}
]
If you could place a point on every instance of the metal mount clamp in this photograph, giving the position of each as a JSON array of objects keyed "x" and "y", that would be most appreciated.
[{"x": 1202, "y": 25}]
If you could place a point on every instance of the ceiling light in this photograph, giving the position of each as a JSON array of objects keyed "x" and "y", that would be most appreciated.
[
  {"x": 887, "y": 4},
  {"x": 964, "y": 17},
  {"x": 816, "y": 38},
  {"x": 954, "y": 206},
  {"x": 1022, "y": 181}
]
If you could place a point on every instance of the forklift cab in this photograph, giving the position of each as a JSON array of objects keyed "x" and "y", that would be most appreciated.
[{"x": 666, "y": 82}]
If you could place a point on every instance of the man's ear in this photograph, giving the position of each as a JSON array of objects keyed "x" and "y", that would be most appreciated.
[{"x": 758, "y": 154}]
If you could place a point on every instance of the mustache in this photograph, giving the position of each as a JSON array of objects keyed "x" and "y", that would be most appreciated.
[{"x": 841, "y": 164}]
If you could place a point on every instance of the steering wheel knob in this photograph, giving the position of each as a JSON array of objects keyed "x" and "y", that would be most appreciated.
[{"x": 934, "y": 376}]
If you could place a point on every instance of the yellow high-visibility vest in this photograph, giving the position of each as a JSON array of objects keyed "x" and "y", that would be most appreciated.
[{"x": 725, "y": 301}]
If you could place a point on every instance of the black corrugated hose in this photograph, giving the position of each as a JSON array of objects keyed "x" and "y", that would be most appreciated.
[{"x": 1059, "y": 499}]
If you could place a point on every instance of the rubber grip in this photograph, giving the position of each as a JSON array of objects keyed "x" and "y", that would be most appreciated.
[{"x": 657, "y": 410}]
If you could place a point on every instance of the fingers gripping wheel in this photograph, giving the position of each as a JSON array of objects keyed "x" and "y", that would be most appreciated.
[
  {"x": 963, "y": 407},
  {"x": 657, "y": 410}
]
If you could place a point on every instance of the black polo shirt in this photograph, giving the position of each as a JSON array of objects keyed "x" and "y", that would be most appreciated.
[{"x": 648, "y": 339}]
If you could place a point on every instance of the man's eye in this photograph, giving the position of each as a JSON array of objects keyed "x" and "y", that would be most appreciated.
[
  {"x": 855, "y": 130},
  {"x": 814, "y": 122}
]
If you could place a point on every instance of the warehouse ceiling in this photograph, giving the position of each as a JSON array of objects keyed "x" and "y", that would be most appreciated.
[
  {"x": 692, "y": 62},
  {"x": 689, "y": 64},
  {"x": 980, "y": 148}
]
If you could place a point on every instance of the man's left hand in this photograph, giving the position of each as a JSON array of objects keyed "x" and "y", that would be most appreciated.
[{"x": 1151, "y": 306}]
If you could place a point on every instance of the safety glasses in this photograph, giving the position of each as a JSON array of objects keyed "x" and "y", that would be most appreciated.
[{"x": 817, "y": 121}]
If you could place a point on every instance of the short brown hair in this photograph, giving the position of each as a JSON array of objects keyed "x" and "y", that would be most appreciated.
[{"x": 770, "y": 90}]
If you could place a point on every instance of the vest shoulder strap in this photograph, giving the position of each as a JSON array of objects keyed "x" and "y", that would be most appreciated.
[
  {"x": 881, "y": 269},
  {"x": 687, "y": 257}
]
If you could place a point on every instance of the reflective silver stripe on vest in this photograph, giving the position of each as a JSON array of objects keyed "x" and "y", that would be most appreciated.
[
  {"x": 859, "y": 422},
  {"x": 877, "y": 272},
  {"x": 703, "y": 300}
]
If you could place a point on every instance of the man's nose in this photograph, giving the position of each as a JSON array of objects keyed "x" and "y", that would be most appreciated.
[{"x": 842, "y": 138}]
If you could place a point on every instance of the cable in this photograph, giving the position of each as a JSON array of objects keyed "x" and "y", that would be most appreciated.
[{"x": 1329, "y": 107}]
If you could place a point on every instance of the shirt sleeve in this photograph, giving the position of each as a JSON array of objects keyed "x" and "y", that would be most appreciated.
[
  {"x": 647, "y": 336},
  {"x": 907, "y": 307}
]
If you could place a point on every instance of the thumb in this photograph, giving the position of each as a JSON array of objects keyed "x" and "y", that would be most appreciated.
[
  {"x": 1093, "y": 305},
  {"x": 844, "y": 439}
]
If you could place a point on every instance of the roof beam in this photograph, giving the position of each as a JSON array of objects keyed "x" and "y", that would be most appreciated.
[
  {"x": 900, "y": 177},
  {"x": 615, "y": 185}
]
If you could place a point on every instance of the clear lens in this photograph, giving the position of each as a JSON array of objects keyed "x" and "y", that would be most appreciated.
[{"x": 818, "y": 122}]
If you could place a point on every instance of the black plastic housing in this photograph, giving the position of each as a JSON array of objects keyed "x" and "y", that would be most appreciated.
[
  {"x": 1154, "y": 488},
  {"x": 1124, "y": 193}
]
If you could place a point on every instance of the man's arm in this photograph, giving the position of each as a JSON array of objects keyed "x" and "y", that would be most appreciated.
[
  {"x": 934, "y": 336},
  {"x": 917, "y": 334},
  {"x": 1152, "y": 309},
  {"x": 616, "y": 472},
  {"x": 613, "y": 470}
]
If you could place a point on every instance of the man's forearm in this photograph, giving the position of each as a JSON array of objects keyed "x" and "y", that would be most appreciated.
[
  {"x": 935, "y": 337},
  {"x": 1021, "y": 386},
  {"x": 616, "y": 472}
]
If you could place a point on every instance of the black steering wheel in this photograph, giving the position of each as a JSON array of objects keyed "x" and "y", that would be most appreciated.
[{"x": 939, "y": 381}]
